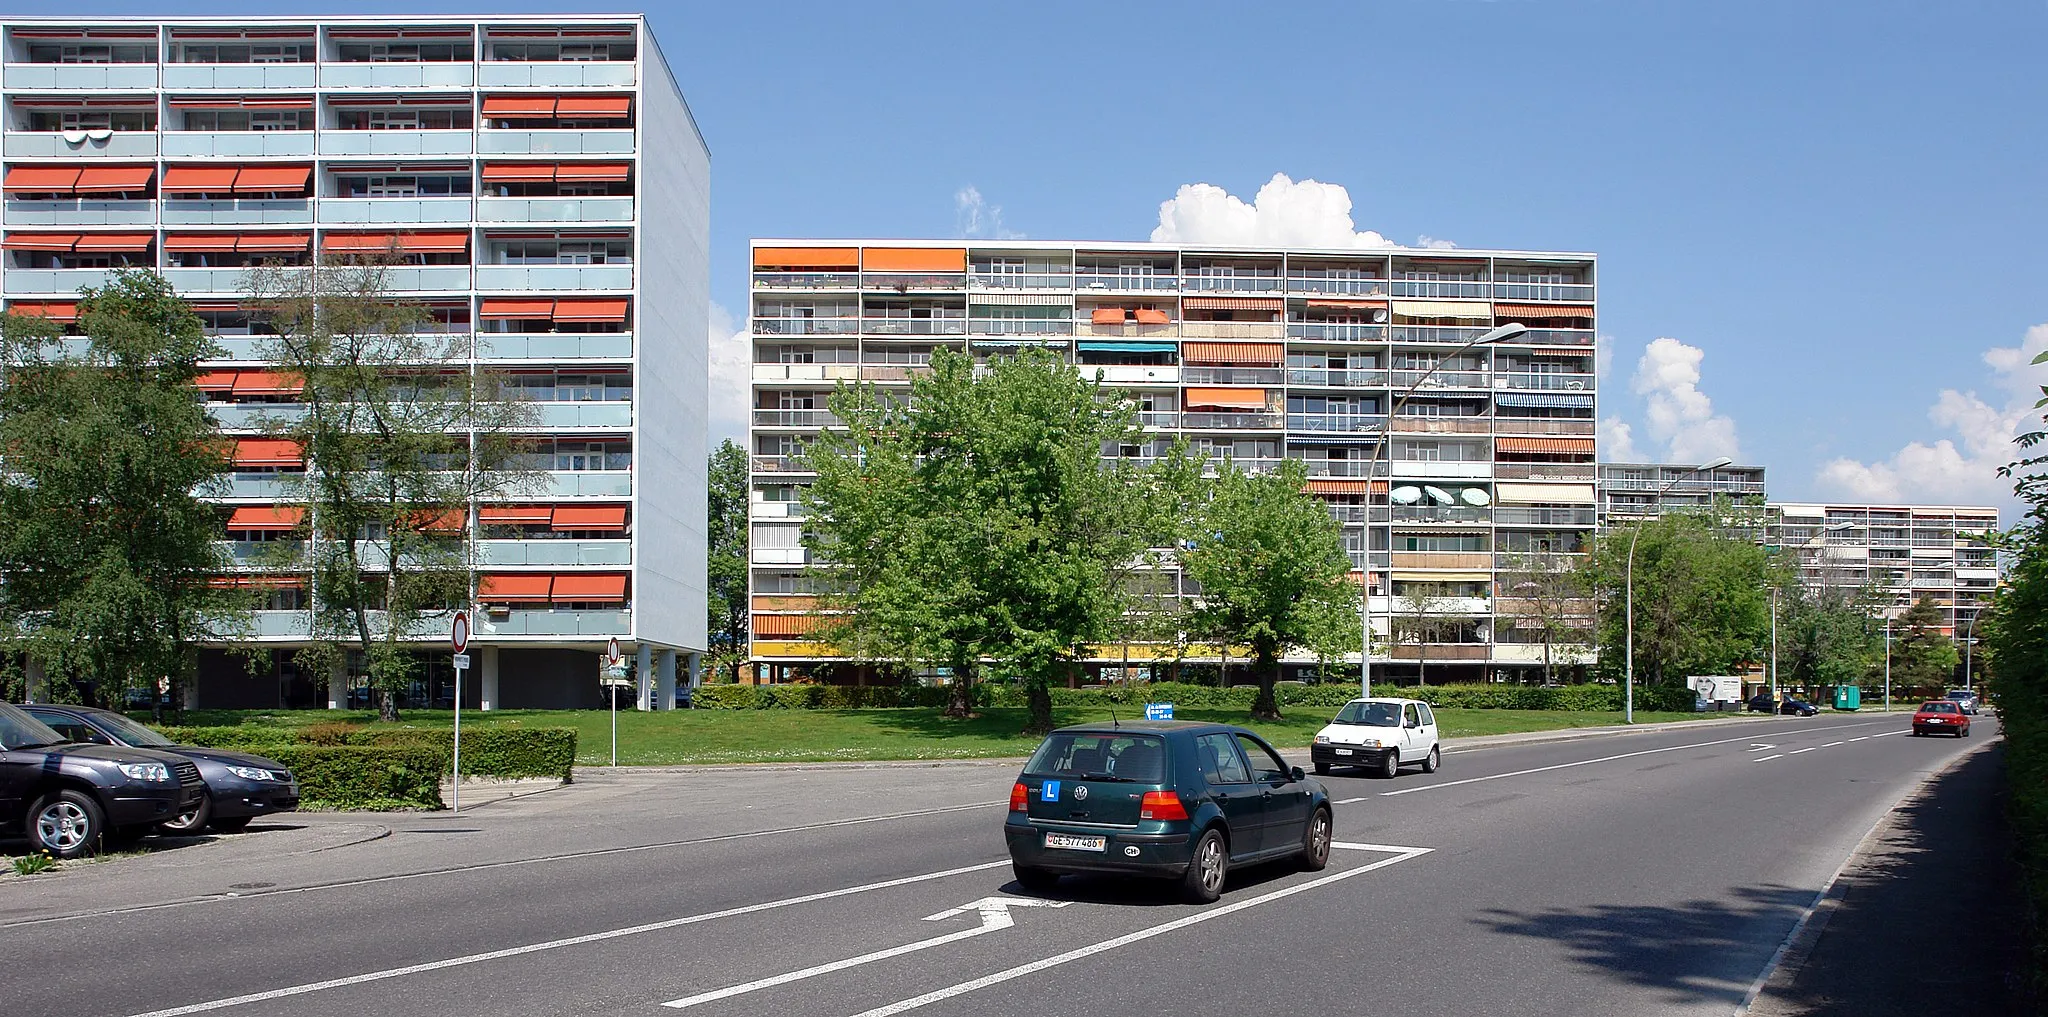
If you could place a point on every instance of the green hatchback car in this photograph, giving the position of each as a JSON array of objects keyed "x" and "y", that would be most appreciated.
[{"x": 1164, "y": 799}]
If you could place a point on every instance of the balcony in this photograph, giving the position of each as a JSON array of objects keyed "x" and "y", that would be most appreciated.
[
  {"x": 1555, "y": 382},
  {"x": 1128, "y": 330},
  {"x": 427, "y": 278},
  {"x": 1020, "y": 326},
  {"x": 558, "y": 142},
  {"x": 1426, "y": 380},
  {"x": 806, "y": 326},
  {"x": 1443, "y": 425},
  {"x": 1542, "y": 425},
  {"x": 51, "y": 145},
  {"x": 265, "y": 486},
  {"x": 1132, "y": 374},
  {"x": 1332, "y": 331},
  {"x": 1442, "y": 514},
  {"x": 258, "y": 553},
  {"x": 1447, "y": 334},
  {"x": 564, "y": 346},
  {"x": 1544, "y": 471},
  {"x": 1441, "y": 651},
  {"x": 1331, "y": 377},
  {"x": 397, "y": 143},
  {"x": 1443, "y": 559},
  {"x": 807, "y": 280},
  {"x": 1455, "y": 469},
  {"x": 892, "y": 372},
  {"x": 394, "y": 210},
  {"x": 1357, "y": 514},
  {"x": 577, "y": 278},
  {"x": 1021, "y": 281},
  {"x": 236, "y": 144},
  {"x": 564, "y": 415},
  {"x": 1515, "y": 515},
  {"x": 237, "y": 212},
  {"x": 779, "y": 464},
  {"x": 903, "y": 281},
  {"x": 1335, "y": 423},
  {"x": 1440, "y": 289},
  {"x": 1158, "y": 418},
  {"x": 1117, "y": 282},
  {"x": 779, "y": 556},
  {"x": 97, "y": 77},
  {"x": 1233, "y": 329},
  {"x": 437, "y": 74},
  {"x": 243, "y": 347},
  {"x": 55, "y": 280},
  {"x": 573, "y": 210},
  {"x": 241, "y": 77},
  {"x": 1231, "y": 284},
  {"x": 281, "y": 624},
  {"x": 914, "y": 326},
  {"x": 554, "y": 623},
  {"x": 1577, "y": 293},
  {"x": 79, "y": 212},
  {"x": 587, "y": 484},
  {"x": 1554, "y": 337},
  {"x": 1233, "y": 375},
  {"x": 555, "y": 74},
  {"x": 1196, "y": 420},
  {"x": 796, "y": 418},
  {"x": 806, "y": 372},
  {"x": 253, "y": 416},
  {"x": 496, "y": 553},
  {"x": 1358, "y": 468},
  {"x": 1337, "y": 286}
]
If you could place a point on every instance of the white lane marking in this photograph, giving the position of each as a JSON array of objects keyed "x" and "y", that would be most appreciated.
[
  {"x": 1795, "y": 752},
  {"x": 1090, "y": 950},
  {"x": 1350, "y": 801},
  {"x": 1565, "y": 766},
  {"x": 1766, "y": 759},
  {"x": 556, "y": 944},
  {"x": 1760, "y": 747},
  {"x": 995, "y": 916},
  {"x": 1859, "y": 738},
  {"x": 1831, "y": 745},
  {"x": 1887, "y": 733}
]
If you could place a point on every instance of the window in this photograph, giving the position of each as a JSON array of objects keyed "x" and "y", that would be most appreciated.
[
  {"x": 418, "y": 185},
  {"x": 92, "y": 120},
  {"x": 419, "y": 119},
  {"x": 248, "y": 120},
  {"x": 778, "y": 492},
  {"x": 1137, "y": 758},
  {"x": 404, "y": 52},
  {"x": 1428, "y": 718},
  {"x": 72, "y": 729},
  {"x": 1221, "y": 763},
  {"x": 1266, "y": 764},
  {"x": 245, "y": 53}
]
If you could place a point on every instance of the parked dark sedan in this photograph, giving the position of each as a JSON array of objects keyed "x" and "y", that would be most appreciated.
[
  {"x": 239, "y": 786},
  {"x": 1173, "y": 799},
  {"x": 70, "y": 799},
  {"x": 1789, "y": 707}
]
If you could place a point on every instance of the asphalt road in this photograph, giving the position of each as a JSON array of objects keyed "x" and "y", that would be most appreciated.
[{"x": 1640, "y": 874}]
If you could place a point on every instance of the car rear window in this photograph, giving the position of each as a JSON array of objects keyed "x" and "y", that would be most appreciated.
[
  {"x": 1140, "y": 758},
  {"x": 1939, "y": 708}
]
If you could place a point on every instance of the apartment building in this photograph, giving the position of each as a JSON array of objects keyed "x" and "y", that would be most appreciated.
[
  {"x": 1902, "y": 552},
  {"x": 1249, "y": 354},
  {"x": 547, "y": 189},
  {"x": 1630, "y": 491}
]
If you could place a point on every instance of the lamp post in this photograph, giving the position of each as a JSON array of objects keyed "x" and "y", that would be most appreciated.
[
  {"x": 1887, "y": 662},
  {"x": 1628, "y": 591},
  {"x": 1507, "y": 331},
  {"x": 1822, "y": 536}
]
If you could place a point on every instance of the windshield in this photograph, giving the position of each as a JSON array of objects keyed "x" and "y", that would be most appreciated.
[
  {"x": 1370, "y": 714},
  {"x": 131, "y": 731},
  {"x": 1962, "y": 695},
  {"x": 18, "y": 730},
  {"x": 1140, "y": 759}
]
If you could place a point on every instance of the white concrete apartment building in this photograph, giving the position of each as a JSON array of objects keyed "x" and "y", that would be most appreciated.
[
  {"x": 1643, "y": 490},
  {"x": 1254, "y": 354},
  {"x": 1903, "y": 552},
  {"x": 549, "y": 192}
]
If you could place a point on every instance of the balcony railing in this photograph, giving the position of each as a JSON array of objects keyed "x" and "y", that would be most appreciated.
[
  {"x": 602, "y": 142},
  {"x": 397, "y": 143},
  {"x": 1458, "y": 469},
  {"x": 236, "y": 211},
  {"x": 1337, "y": 287},
  {"x": 1359, "y": 468},
  {"x": 1120, "y": 282},
  {"x": 555, "y": 74},
  {"x": 520, "y": 622},
  {"x": 1233, "y": 329},
  {"x": 780, "y": 464},
  {"x": 1555, "y": 337},
  {"x": 806, "y": 326},
  {"x": 892, "y": 372},
  {"x": 914, "y": 326},
  {"x": 796, "y": 418},
  {"x": 588, "y": 484},
  {"x": 1441, "y": 514},
  {"x": 1231, "y": 284},
  {"x": 807, "y": 280},
  {"x": 1443, "y": 425},
  {"x": 564, "y": 346},
  {"x": 1019, "y": 326},
  {"x": 1333, "y": 377},
  {"x": 79, "y": 212},
  {"x": 54, "y": 145},
  {"x": 394, "y": 210},
  {"x": 55, "y": 280},
  {"x": 1439, "y": 379},
  {"x": 1541, "y": 425},
  {"x": 1440, "y": 289},
  {"x": 435, "y": 74},
  {"x": 252, "y": 416},
  {"x": 1554, "y": 382},
  {"x": 563, "y": 415},
  {"x": 240, "y": 77},
  {"x": 1441, "y": 651},
  {"x": 1127, "y": 330},
  {"x": 1443, "y": 559},
  {"x": 1436, "y": 333},
  {"x": 1575, "y": 292},
  {"x": 568, "y": 210},
  {"x": 554, "y": 277},
  {"x": 1515, "y": 515},
  {"x": 97, "y": 77},
  {"x": 495, "y": 553},
  {"x": 1543, "y": 471},
  {"x": 1021, "y": 281},
  {"x": 1335, "y": 331},
  {"x": 1325, "y": 423},
  {"x": 1158, "y": 418},
  {"x": 1132, "y": 374},
  {"x": 1357, "y": 513},
  {"x": 1206, "y": 420},
  {"x": 806, "y": 372},
  {"x": 236, "y": 144},
  {"x": 1233, "y": 375},
  {"x": 914, "y": 280}
]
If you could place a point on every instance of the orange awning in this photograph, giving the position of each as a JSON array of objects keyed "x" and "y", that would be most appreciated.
[
  {"x": 786, "y": 624},
  {"x": 1227, "y": 398},
  {"x": 268, "y": 452},
  {"x": 114, "y": 179},
  {"x": 268, "y": 383},
  {"x": 575, "y": 586},
  {"x": 267, "y": 517},
  {"x": 1232, "y": 304},
  {"x": 512, "y": 515},
  {"x": 514, "y": 589},
  {"x": 274, "y": 242},
  {"x": 501, "y": 308},
  {"x": 54, "y": 310},
  {"x": 359, "y": 242},
  {"x": 914, "y": 259},
  {"x": 209, "y": 242},
  {"x": 1575, "y": 446},
  {"x": 215, "y": 381},
  {"x": 592, "y": 171},
  {"x": 444, "y": 521},
  {"x": 1542, "y": 311},
  {"x": 594, "y": 106},
  {"x": 1107, "y": 316},
  {"x": 518, "y": 172},
  {"x": 1259, "y": 354},
  {"x": 199, "y": 179},
  {"x": 590, "y": 517},
  {"x": 520, "y": 107},
  {"x": 42, "y": 179},
  {"x": 1152, "y": 316},
  {"x": 590, "y": 309},
  {"x": 114, "y": 241},
  {"x": 40, "y": 241},
  {"x": 807, "y": 259},
  {"x": 1345, "y": 487},
  {"x": 272, "y": 178}
]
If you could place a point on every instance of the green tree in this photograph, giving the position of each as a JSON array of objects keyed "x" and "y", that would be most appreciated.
[
  {"x": 401, "y": 434},
  {"x": 1273, "y": 574},
  {"x": 105, "y": 544},
  {"x": 1922, "y": 655},
  {"x": 1701, "y": 600},
  {"x": 726, "y": 558},
  {"x": 1826, "y": 637},
  {"x": 978, "y": 522},
  {"x": 1545, "y": 598}
]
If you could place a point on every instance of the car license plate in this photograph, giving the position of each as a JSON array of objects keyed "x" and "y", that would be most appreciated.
[
  {"x": 1073, "y": 843},
  {"x": 1343, "y": 752}
]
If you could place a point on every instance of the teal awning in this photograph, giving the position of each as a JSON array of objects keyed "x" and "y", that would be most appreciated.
[{"x": 1153, "y": 347}]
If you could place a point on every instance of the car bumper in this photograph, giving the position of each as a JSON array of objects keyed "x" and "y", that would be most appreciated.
[
  {"x": 1142, "y": 854},
  {"x": 234, "y": 801},
  {"x": 1359, "y": 755},
  {"x": 137, "y": 806}
]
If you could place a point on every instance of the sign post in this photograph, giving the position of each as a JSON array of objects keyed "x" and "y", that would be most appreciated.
[
  {"x": 458, "y": 637},
  {"x": 612, "y": 666}
]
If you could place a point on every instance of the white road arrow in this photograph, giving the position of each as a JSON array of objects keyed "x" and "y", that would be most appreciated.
[
  {"x": 1760, "y": 747},
  {"x": 994, "y": 912}
]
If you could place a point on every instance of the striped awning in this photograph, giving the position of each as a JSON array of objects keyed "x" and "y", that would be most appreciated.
[
  {"x": 1129, "y": 347},
  {"x": 989, "y": 299},
  {"x": 1542, "y": 311},
  {"x": 1233, "y": 304},
  {"x": 1568, "y": 446},
  {"x": 1226, "y": 398},
  {"x": 1546, "y": 400},
  {"x": 1345, "y": 487},
  {"x": 1255, "y": 354}
]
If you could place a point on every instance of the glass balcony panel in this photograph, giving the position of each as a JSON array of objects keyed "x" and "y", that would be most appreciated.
[
  {"x": 428, "y": 278},
  {"x": 1336, "y": 331},
  {"x": 1443, "y": 425},
  {"x": 397, "y": 142},
  {"x": 1021, "y": 281},
  {"x": 555, "y": 74},
  {"x": 558, "y": 142},
  {"x": 282, "y": 624},
  {"x": 1438, "y": 513},
  {"x": 98, "y": 77},
  {"x": 554, "y": 277},
  {"x": 618, "y": 209},
  {"x": 251, "y": 77},
  {"x": 1231, "y": 284},
  {"x": 795, "y": 418},
  {"x": 1546, "y": 382},
  {"x": 570, "y": 346},
  {"x": 1515, "y": 515},
  {"x": 1441, "y": 289},
  {"x": 1327, "y": 377},
  {"x": 55, "y": 280},
  {"x": 1455, "y": 468},
  {"x": 554, "y": 552},
  {"x": 1440, "y": 379},
  {"x": 236, "y": 144},
  {"x": 394, "y": 210},
  {"x": 1543, "y": 471},
  {"x": 1019, "y": 326},
  {"x": 79, "y": 212},
  {"x": 260, "y": 485},
  {"x": 1210, "y": 421},
  {"x": 914, "y": 326},
  {"x": 1542, "y": 425},
  {"x": 556, "y": 623},
  {"x": 243, "y": 347},
  {"x": 51, "y": 145},
  {"x": 237, "y": 212},
  {"x": 1132, "y": 374},
  {"x": 255, "y": 553},
  {"x": 592, "y": 484},
  {"x": 254, "y": 416},
  {"x": 1232, "y": 375},
  {"x": 1555, "y": 337},
  {"x": 585, "y": 414},
  {"x": 207, "y": 280},
  {"x": 1338, "y": 286},
  {"x": 1436, "y": 333},
  {"x": 1115, "y": 282},
  {"x": 1582, "y": 293},
  {"x": 1342, "y": 423},
  {"x": 807, "y": 280},
  {"x": 445, "y": 74},
  {"x": 806, "y": 326}
]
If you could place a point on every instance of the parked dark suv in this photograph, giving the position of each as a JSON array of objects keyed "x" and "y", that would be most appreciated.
[
  {"x": 239, "y": 786},
  {"x": 70, "y": 798},
  {"x": 1173, "y": 799}
]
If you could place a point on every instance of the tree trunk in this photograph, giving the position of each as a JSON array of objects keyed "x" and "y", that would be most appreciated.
[
  {"x": 1040, "y": 698},
  {"x": 1266, "y": 706},
  {"x": 1546, "y": 658},
  {"x": 962, "y": 702},
  {"x": 387, "y": 705}
]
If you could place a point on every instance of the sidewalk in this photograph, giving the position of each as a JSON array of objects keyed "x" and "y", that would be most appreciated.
[{"x": 1926, "y": 922}]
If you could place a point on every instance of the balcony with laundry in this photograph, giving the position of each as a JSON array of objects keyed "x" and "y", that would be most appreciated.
[{"x": 80, "y": 127}]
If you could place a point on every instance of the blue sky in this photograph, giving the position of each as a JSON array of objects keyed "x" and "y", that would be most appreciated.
[{"x": 1836, "y": 210}]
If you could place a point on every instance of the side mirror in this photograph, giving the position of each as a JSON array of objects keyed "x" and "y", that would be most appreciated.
[{"x": 1297, "y": 774}]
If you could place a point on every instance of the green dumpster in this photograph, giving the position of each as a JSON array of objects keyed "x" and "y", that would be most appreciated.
[{"x": 1848, "y": 697}]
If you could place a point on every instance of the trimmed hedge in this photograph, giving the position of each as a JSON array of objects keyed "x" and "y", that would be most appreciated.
[
  {"x": 504, "y": 752},
  {"x": 1194, "y": 697},
  {"x": 363, "y": 776}
]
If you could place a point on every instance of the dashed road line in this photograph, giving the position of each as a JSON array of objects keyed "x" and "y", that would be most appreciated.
[
  {"x": 1350, "y": 801},
  {"x": 1582, "y": 762},
  {"x": 1795, "y": 752},
  {"x": 1766, "y": 759},
  {"x": 1859, "y": 738},
  {"x": 1831, "y": 745}
]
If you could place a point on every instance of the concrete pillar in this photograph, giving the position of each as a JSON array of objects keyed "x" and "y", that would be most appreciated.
[
  {"x": 696, "y": 670},
  {"x": 643, "y": 675},
  {"x": 38, "y": 682},
  {"x": 665, "y": 680},
  {"x": 487, "y": 678},
  {"x": 337, "y": 685}
]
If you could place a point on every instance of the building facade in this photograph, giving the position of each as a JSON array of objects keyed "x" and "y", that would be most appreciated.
[
  {"x": 1249, "y": 354},
  {"x": 1900, "y": 553},
  {"x": 518, "y": 166},
  {"x": 1630, "y": 491}
]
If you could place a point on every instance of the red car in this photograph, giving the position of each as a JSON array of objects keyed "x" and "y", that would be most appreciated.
[{"x": 1941, "y": 715}]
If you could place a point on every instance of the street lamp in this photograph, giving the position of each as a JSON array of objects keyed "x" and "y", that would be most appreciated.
[
  {"x": 1628, "y": 590},
  {"x": 1822, "y": 536},
  {"x": 1507, "y": 331}
]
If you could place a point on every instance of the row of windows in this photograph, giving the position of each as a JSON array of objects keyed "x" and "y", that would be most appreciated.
[{"x": 307, "y": 51}]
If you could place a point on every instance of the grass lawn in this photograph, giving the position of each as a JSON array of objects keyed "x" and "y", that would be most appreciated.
[{"x": 776, "y": 736}]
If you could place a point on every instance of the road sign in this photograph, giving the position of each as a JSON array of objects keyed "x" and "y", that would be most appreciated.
[
  {"x": 1158, "y": 711},
  {"x": 458, "y": 633},
  {"x": 611, "y": 649},
  {"x": 461, "y": 661}
]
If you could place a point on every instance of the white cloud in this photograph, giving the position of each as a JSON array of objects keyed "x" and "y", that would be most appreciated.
[
  {"x": 1434, "y": 243},
  {"x": 1616, "y": 441},
  {"x": 732, "y": 375},
  {"x": 1962, "y": 468},
  {"x": 975, "y": 217},
  {"x": 1680, "y": 417},
  {"x": 1283, "y": 214}
]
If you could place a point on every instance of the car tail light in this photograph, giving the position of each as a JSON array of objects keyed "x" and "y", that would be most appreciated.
[
  {"x": 1018, "y": 795},
  {"x": 1161, "y": 805}
]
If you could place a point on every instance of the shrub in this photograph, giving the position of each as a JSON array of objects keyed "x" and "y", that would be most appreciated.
[
  {"x": 506, "y": 752},
  {"x": 364, "y": 776}
]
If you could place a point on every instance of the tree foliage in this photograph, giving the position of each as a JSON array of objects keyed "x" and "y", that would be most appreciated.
[
  {"x": 1548, "y": 600},
  {"x": 1701, "y": 600},
  {"x": 1923, "y": 656},
  {"x": 726, "y": 557},
  {"x": 1828, "y": 637},
  {"x": 106, "y": 547}
]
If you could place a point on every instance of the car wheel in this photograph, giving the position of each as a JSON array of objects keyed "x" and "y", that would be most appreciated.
[
  {"x": 1035, "y": 880},
  {"x": 232, "y": 824},
  {"x": 67, "y": 824},
  {"x": 191, "y": 822},
  {"x": 1322, "y": 769},
  {"x": 1390, "y": 767},
  {"x": 1207, "y": 868},
  {"x": 1431, "y": 762},
  {"x": 1315, "y": 842}
]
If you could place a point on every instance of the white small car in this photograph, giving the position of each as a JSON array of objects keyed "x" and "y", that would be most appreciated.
[{"x": 1380, "y": 734}]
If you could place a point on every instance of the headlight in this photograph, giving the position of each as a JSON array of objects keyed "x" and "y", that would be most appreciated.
[
  {"x": 1372, "y": 743},
  {"x": 251, "y": 773},
  {"x": 147, "y": 771},
  {"x": 1322, "y": 739}
]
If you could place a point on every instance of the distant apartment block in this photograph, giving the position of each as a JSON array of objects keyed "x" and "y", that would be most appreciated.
[
  {"x": 1900, "y": 552},
  {"x": 1644, "y": 490},
  {"x": 548, "y": 191}
]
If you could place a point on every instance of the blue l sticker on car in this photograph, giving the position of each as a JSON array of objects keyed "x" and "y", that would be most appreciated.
[{"x": 1051, "y": 791}]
